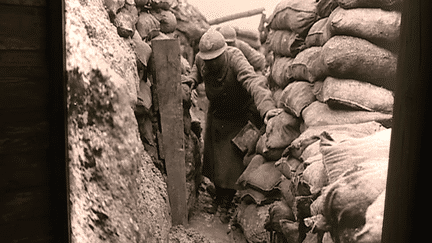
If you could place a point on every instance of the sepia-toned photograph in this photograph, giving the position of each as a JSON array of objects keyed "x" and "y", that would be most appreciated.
[{"x": 203, "y": 121}]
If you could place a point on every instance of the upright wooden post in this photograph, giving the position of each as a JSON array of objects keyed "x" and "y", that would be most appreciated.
[
  {"x": 407, "y": 204},
  {"x": 166, "y": 76}
]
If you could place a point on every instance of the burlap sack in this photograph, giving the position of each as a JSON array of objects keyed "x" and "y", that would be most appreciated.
[
  {"x": 295, "y": 97},
  {"x": 315, "y": 174},
  {"x": 295, "y": 15},
  {"x": 318, "y": 34},
  {"x": 357, "y": 95},
  {"x": 355, "y": 58},
  {"x": 373, "y": 24},
  {"x": 251, "y": 219},
  {"x": 126, "y": 20},
  {"x": 372, "y": 230},
  {"x": 167, "y": 20},
  {"x": 285, "y": 43},
  {"x": 270, "y": 154},
  {"x": 279, "y": 71},
  {"x": 308, "y": 65},
  {"x": 357, "y": 172},
  {"x": 147, "y": 25},
  {"x": 320, "y": 114},
  {"x": 384, "y": 4},
  {"x": 325, "y": 7},
  {"x": 281, "y": 130},
  {"x": 310, "y": 136}
]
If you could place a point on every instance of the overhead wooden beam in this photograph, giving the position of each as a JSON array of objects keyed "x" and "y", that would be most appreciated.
[
  {"x": 166, "y": 76},
  {"x": 236, "y": 16}
]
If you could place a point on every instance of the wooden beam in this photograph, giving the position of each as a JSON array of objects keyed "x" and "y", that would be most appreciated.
[
  {"x": 166, "y": 75},
  {"x": 236, "y": 16},
  {"x": 408, "y": 179}
]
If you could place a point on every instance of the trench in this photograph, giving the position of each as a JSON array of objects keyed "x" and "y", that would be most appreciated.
[{"x": 289, "y": 191}]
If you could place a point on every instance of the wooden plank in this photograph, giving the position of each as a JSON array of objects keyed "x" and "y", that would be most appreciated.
[
  {"x": 18, "y": 171},
  {"x": 12, "y": 116},
  {"x": 26, "y": 231},
  {"x": 33, "y": 72},
  {"x": 236, "y": 16},
  {"x": 166, "y": 73},
  {"x": 23, "y": 93},
  {"x": 35, "y": 3},
  {"x": 408, "y": 179},
  {"x": 24, "y": 204},
  {"x": 22, "y": 28},
  {"x": 22, "y": 138},
  {"x": 22, "y": 58}
]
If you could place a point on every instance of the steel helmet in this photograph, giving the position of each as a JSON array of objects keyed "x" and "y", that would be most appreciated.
[
  {"x": 212, "y": 44},
  {"x": 229, "y": 33}
]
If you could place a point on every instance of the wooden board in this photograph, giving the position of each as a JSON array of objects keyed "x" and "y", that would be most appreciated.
[{"x": 166, "y": 75}]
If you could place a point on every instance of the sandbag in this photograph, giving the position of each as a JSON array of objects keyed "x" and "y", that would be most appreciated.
[
  {"x": 295, "y": 15},
  {"x": 341, "y": 155},
  {"x": 264, "y": 178},
  {"x": 318, "y": 34},
  {"x": 347, "y": 199},
  {"x": 279, "y": 71},
  {"x": 316, "y": 206},
  {"x": 356, "y": 95},
  {"x": 357, "y": 173},
  {"x": 325, "y": 7},
  {"x": 281, "y": 130},
  {"x": 163, "y": 4},
  {"x": 147, "y": 25},
  {"x": 277, "y": 93},
  {"x": 285, "y": 189},
  {"x": 143, "y": 50},
  {"x": 373, "y": 24},
  {"x": 355, "y": 58},
  {"x": 278, "y": 210},
  {"x": 126, "y": 20},
  {"x": 167, "y": 20},
  {"x": 285, "y": 42},
  {"x": 141, "y": 3},
  {"x": 290, "y": 229},
  {"x": 113, "y": 6},
  {"x": 308, "y": 65},
  {"x": 320, "y": 114},
  {"x": 295, "y": 97},
  {"x": 270, "y": 154},
  {"x": 311, "y": 135},
  {"x": 317, "y": 90},
  {"x": 372, "y": 230},
  {"x": 251, "y": 219},
  {"x": 250, "y": 195},
  {"x": 315, "y": 174},
  {"x": 287, "y": 166},
  {"x": 384, "y": 4},
  {"x": 255, "y": 162}
]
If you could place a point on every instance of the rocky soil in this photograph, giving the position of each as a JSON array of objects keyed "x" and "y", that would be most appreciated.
[{"x": 116, "y": 192}]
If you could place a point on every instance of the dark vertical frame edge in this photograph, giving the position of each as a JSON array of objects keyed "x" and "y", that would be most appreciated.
[{"x": 57, "y": 151}]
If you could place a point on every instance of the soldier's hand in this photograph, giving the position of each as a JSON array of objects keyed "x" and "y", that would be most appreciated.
[{"x": 272, "y": 113}]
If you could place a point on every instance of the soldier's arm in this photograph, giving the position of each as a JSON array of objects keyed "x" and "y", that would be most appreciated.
[{"x": 254, "y": 83}]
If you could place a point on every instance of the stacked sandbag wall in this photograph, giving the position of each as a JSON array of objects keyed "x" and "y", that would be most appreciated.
[
  {"x": 138, "y": 22},
  {"x": 334, "y": 73}
]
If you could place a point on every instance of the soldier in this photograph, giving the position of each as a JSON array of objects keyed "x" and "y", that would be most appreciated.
[
  {"x": 236, "y": 94},
  {"x": 254, "y": 57}
]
